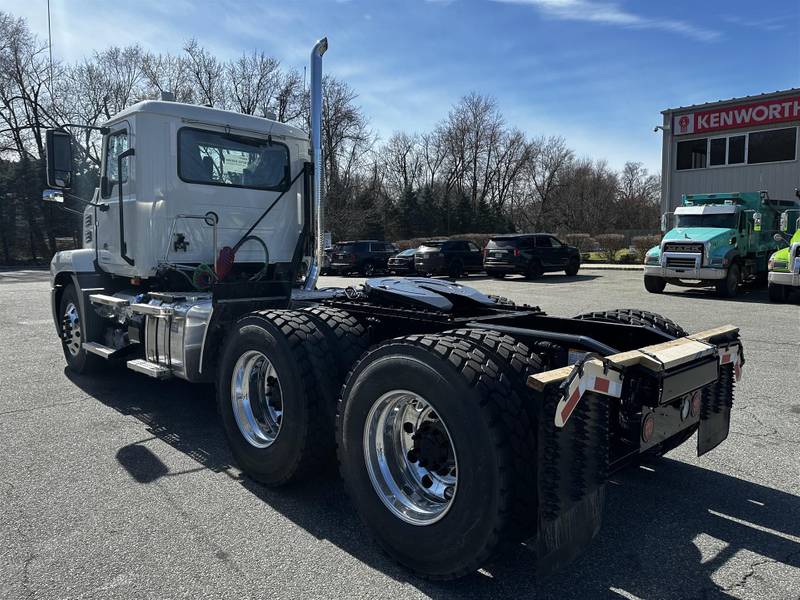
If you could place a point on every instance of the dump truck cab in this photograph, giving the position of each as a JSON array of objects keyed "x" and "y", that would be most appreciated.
[
  {"x": 718, "y": 240},
  {"x": 784, "y": 264}
]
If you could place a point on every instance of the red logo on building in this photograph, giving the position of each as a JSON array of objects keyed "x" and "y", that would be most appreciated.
[{"x": 683, "y": 123}]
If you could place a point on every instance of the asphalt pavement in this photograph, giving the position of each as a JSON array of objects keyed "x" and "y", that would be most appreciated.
[{"x": 122, "y": 487}]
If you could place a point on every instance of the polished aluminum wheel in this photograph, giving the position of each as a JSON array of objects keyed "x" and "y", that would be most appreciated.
[
  {"x": 257, "y": 399},
  {"x": 72, "y": 329},
  {"x": 410, "y": 457}
]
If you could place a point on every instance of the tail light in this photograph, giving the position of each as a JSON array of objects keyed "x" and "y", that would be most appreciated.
[{"x": 516, "y": 252}]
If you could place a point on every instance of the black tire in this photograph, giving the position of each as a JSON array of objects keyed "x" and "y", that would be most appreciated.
[
  {"x": 299, "y": 353},
  {"x": 496, "y": 274},
  {"x": 368, "y": 269},
  {"x": 729, "y": 287},
  {"x": 482, "y": 412},
  {"x": 455, "y": 269},
  {"x": 534, "y": 270},
  {"x": 516, "y": 362},
  {"x": 777, "y": 292},
  {"x": 346, "y": 336},
  {"x": 654, "y": 284},
  {"x": 73, "y": 333},
  {"x": 633, "y": 316},
  {"x": 573, "y": 267}
]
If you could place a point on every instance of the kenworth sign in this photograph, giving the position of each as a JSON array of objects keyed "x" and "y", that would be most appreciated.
[{"x": 733, "y": 117}]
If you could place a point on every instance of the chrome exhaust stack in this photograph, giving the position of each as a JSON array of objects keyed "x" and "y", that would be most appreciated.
[{"x": 316, "y": 150}]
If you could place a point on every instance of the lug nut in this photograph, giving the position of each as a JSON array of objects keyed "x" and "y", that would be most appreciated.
[{"x": 449, "y": 492}]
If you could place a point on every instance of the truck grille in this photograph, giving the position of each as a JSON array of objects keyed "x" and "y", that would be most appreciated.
[
  {"x": 675, "y": 262},
  {"x": 683, "y": 247}
]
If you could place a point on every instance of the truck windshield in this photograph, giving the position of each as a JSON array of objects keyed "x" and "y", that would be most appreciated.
[{"x": 722, "y": 221}]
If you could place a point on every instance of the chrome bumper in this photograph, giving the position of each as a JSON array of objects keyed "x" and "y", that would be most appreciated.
[{"x": 669, "y": 273}]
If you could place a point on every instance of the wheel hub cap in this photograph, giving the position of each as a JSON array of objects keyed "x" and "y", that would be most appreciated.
[
  {"x": 257, "y": 399},
  {"x": 72, "y": 329},
  {"x": 410, "y": 457}
]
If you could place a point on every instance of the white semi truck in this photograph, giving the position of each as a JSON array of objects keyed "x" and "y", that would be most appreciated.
[{"x": 459, "y": 422}]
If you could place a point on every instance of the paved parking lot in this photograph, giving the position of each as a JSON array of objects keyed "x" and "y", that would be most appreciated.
[{"x": 122, "y": 487}]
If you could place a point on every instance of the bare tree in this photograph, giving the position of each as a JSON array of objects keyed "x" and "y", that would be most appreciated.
[
  {"x": 207, "y": 74},
  {"x": 253, "y": 81}
]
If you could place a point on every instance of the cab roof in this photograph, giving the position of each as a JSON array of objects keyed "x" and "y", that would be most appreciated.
[{"x": 204, "y": 115}]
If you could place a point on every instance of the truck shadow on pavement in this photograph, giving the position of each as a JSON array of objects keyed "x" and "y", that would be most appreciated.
[{"x": 656, "y": 519}]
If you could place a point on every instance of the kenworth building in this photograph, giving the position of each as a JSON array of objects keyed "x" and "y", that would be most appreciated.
[{"x": 737, "y": 145}]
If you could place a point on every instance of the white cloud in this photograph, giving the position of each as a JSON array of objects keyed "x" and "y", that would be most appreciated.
[{"x": 610, "y": 13}]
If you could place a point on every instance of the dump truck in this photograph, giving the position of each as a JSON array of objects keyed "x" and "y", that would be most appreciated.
[
  {"x": 719, "y": 240},
  {"x": 784, "y": 265},
  {"x": 461, "y": 422}
]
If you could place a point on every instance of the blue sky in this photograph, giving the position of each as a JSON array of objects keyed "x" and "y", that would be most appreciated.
[{"x": 597, "y": 73}]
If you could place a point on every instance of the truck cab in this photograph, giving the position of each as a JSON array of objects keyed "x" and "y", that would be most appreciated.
[
  {"x": 179, "y": 181},
  {"x": 784, "y": 264},
  {"x": 718, "y": 240}
]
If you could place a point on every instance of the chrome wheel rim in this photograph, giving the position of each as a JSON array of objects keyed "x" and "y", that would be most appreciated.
[
  {"x": 72, "y": 329},
  {"x": 257, "y": 399},
  {"x": 410, "y": 457}
]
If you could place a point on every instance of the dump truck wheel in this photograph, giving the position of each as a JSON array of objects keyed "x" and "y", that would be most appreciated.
[
  {"x": 653, "y": 284},
  {"x": 275, "y": 378},
  {"x": 777, "y": 292},
  {"x": 347, "y": 338},
  {"x": 729, "y": 287},
  {"x": 632, "y": 316},
  {"x": 73, "y": 334},
  {"x": 427, "y": 443}
]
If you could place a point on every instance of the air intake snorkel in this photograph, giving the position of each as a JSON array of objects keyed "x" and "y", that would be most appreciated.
[{"x": 316, "y": 150}]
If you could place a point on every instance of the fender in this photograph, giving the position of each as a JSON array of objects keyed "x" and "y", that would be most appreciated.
[
  {"x": 731, "y": 255},
  {"x": 77, "y": 267}
]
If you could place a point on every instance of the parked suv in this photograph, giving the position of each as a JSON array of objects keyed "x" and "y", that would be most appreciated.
[
  {"x": 361, "y": 256},
  {"x": 530, "y": 254},
  {"x": 448, "y": 257}
]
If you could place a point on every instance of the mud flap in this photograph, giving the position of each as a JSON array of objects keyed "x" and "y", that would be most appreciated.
[
  {"x": 571, "y": 478},
  {"x": 715, "y": 412}
]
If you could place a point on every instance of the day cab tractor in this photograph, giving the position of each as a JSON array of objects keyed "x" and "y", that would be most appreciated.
[
  {"x": 784, "y": 265},
  {"x": 719, "y": 240},
  {"x": 462, "y": 422}
]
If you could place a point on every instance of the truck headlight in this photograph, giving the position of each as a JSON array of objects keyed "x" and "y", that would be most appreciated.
[{"x": 651, "y": 259}]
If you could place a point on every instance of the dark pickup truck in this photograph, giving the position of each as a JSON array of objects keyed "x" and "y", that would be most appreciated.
[{"x": 529, "y": 254}]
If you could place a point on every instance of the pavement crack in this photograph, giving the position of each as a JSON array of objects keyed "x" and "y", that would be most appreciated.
[
  {"x": 36, "y": 408},
  {"x": 742, "y": 582}
]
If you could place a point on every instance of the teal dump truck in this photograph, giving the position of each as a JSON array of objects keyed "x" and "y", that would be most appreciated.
[
  {"x": 784, "y": 265},
  {"x": 719, "y": 240}
]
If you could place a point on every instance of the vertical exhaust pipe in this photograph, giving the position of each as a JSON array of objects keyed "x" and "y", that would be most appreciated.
[{"x": 316, "y": 149}]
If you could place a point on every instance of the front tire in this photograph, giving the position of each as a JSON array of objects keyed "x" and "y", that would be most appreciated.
[
  {"x": 442, "y": 503},
  {"x": 455, "y": 270},
  {"x": 729, "y": 287},
  {"x": 572, "y": 268},
  {"x": 274, "y": 392},
  {"x": 777, "y": 292},
  {"x": 73, "y": 334},
  {"x": 653, "y": 284}
]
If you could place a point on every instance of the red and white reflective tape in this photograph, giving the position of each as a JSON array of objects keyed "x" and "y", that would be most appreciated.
[
  {"x": 594, "y": 379},
  {"x": 732, "y": 354}
]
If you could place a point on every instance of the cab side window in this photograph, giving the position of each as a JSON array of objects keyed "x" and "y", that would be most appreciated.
[{"x": 117, "y": 144}]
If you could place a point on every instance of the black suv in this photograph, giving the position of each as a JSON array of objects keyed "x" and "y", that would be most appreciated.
[
  {"x": 529, "y": 254},
  {"x": 361, "y": 256},
  {"x": 448, "y": 257}
]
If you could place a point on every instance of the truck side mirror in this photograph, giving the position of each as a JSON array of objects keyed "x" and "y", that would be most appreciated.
[
  {"x": 785, "y": 221},
  {"x": 58, "y": 145},
  {"x": 780, "y": 238},
  {"x": 664, "y": 223},
  {"x": 53, "y": 196},
  {"x": 757, "y": 221}
]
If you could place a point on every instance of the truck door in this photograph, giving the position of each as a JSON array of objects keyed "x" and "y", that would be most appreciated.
[{"x": 108, "y": 230}]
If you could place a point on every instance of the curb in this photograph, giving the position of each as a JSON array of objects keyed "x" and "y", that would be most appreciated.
[{"x": 605, "y": 267}]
